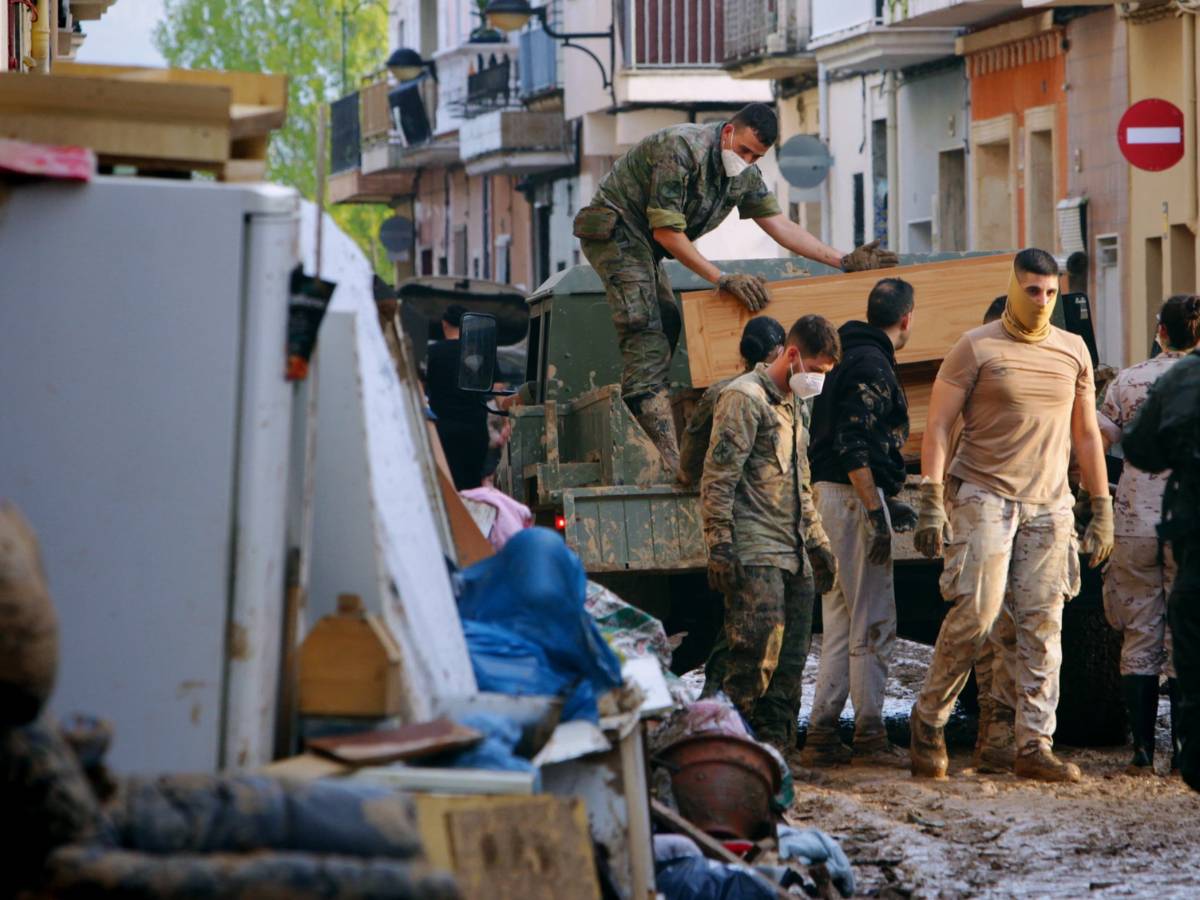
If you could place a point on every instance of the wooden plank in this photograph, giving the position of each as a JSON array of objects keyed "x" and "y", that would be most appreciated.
[
  {"x": 249, "y": 120},
  {"x": 469, "y": 541},
  {"x": 951, "y": 296},
  {"x": 377, "y": 748},
  {"x": 255, "y": 88},
  {"x": 448, "y": 781}
]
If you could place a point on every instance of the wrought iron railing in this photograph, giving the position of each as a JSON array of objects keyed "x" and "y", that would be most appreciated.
[
  {"x": 674, "y": 33},
  {"x": 345, "y": 134},
  {"x": 491, "y": 85}
]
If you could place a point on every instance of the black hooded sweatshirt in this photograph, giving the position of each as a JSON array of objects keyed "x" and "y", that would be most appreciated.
[{"x": 861, "y": 416}]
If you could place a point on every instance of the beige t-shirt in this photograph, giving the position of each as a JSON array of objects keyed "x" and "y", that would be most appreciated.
[{"x": 1016, "y": 439}]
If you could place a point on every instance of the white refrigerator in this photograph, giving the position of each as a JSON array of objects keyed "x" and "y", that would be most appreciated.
[{"x": 145, "y": 427}]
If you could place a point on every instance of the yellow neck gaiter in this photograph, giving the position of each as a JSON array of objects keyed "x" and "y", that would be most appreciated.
[{"x": 1023, "y": 319}]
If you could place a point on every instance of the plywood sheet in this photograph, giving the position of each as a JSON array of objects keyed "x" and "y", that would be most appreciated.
[{"x": 951, "y": 297}]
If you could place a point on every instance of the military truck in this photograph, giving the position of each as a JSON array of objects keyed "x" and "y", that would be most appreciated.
[{"x": 580, "y": 460}]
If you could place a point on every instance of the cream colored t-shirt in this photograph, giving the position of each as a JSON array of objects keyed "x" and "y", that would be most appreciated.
[{"x": 1016, "y": 439}]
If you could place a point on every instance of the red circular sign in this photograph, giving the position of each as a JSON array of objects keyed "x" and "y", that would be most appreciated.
[{"x": 1151, "y": 135}]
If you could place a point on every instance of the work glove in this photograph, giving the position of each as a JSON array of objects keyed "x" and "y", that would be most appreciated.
[
  {"x": 1082, "y": 510},
  {"x": 868, "y": 256},
  {"x": 751, "y": 290},
  {"x": 904, "y": 517},
  {"x": 725, "y": 572},
  {"x": 879, "y": 537},
  {"x": 824, "y": 566},
  {"x": 933, "y": 528},
  {"x": 1098, "y": 537}
]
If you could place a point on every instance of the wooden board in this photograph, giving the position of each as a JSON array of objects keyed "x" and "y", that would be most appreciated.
[
  {"x": 951, "y": 297},
  {"x": 510, "y": 848},
  {"x": 377, "y": 748}
]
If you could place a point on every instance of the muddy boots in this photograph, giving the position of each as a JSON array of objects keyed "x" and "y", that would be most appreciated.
[
  {"x": 996, "y": 745},
  {"x": 877, "y": 750},
  {"x": 927, "y": 749},
  {"x": 823, "y": 748},
  {"x": 653, "y": 413},
  {"x": 1043, "y": 765},
  {"x": 1141, "y": 700}
]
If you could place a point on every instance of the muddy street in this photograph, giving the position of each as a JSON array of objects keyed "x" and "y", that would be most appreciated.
[{"x": 998, "y": 835}]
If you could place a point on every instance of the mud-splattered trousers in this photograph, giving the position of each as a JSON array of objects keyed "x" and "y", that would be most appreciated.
[
  {"x": 858, "y": 619},
  {"x": 759, "y": 659},
  {"x": 1137, "y": 582},
  {"x": 1011, "y": 565}
]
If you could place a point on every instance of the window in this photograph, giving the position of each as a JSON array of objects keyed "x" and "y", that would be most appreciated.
[{"x": 860, "y": 230}]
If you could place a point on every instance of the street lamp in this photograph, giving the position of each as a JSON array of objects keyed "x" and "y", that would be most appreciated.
[
  {"x": 405, "y": 64},
  {"x": 512, "y": 15}
]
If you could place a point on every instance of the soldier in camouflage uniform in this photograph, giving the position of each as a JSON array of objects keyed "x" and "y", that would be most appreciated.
[
  {"x": 1026, "y": 395},
  {"x": 1165, "y": 434},
  {"x": 672, "y": 187},
  {"x": 1140, "y": 576},
  {"x": 759, "y": 520}
]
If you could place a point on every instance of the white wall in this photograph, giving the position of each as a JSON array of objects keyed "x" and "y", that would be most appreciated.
[
  {"x": 585, "y": 91},
  {"x": 829, "y": 16},
  {"x": 933, "y": 117},
  {"x": 850, "y": 144}
]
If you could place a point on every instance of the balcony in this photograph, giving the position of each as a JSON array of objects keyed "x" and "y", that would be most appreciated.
[
  {"x": 516, "y": 142},
  {"x": 767, "y": 39},
  {"x": 948, "y": 13},
  {"x": 493, "y": 86},
  {"x": 537, "y": 64},
  {"x": 852, "y": 36},
  {"x": 398, "y": 133},
  {"x": 347, "y": 183}
]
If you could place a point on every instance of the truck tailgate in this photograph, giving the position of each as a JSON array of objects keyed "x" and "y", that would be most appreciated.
[{"x": 628, "y": 528}]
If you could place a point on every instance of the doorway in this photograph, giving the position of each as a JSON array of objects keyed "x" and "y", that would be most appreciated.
[{"x": 1109, "y": 306}]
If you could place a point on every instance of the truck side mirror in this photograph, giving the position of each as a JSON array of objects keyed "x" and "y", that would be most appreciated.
[{"x": 477, "y": 352}]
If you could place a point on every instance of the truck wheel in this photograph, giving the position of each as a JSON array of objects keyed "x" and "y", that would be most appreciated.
[{"x": 1090, "y": 711}]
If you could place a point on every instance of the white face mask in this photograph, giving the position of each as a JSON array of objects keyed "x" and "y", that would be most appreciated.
[
  {"x": 734, "y": 164},
  {"x": 806, "y": 384}
]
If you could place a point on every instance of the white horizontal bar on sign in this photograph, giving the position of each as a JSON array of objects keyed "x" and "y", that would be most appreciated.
[{"x": 1153, "y": 135}]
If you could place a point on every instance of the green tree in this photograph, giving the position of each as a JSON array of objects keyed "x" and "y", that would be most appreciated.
[{"x": 312, "y": 42}]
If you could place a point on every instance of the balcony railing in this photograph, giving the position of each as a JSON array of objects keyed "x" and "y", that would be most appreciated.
[
  {"x": 537, "y": 63},
  {"x": 674, "y": 33},
  {"x": 491, "y": 85},
  {"x": 345, "y": 134},
  {"x": 758, "y": 28}
]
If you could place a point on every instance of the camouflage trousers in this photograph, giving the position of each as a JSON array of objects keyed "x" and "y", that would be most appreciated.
[
  {"x": 1010, "y": 567},
  {"x": 643, "y": 308},
  {"x": 1137, "y": 582},
  {"x": 858, "y": 619},
  {"x": 759, "y": 658}
]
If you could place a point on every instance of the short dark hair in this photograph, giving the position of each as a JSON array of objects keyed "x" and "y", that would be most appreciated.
[
  {"x": 761, "y": 335},
  {"x": 889, "y": 301},
  {"x": 1033, "y": 261},
  {"x": 1180, "y": 316},
  {"x": 815, "y": 336},
  {"x": 759, "y": 118},
  {"x": 995, "y": 309},
  {"x": 453, "y": 314}
]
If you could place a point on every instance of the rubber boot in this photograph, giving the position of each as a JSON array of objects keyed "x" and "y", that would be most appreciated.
[
  {"x": 998, "y": 753},
  {"x": 1043, "y": 765},
  {"x": 653, "y": 413},
  {"x": 1176, "y": 731},
  {"x": 927, "y": 749},
  {"x": 823, "y": 749},
  {"x": 1141, "y": 698}
]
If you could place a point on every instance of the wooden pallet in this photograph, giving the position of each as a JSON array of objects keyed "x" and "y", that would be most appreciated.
[{"x": 159, "y": 120}]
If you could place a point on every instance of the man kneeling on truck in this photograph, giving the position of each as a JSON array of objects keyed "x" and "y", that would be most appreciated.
[
  {"x": 1025, "y": 391},
  {"x": 669, "y": 189},
  {"x": 760, "y": 525}
]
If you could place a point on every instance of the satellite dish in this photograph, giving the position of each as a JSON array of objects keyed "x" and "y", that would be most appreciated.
[
  {"x": 804, "y": 161},
  {"x": 396, "y": 235}
]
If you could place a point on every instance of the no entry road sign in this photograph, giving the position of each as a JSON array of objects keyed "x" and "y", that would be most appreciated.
[{"x": 1151, "y": 135}]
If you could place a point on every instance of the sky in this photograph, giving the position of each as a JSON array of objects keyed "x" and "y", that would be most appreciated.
[{"x": 123, "y": 35}]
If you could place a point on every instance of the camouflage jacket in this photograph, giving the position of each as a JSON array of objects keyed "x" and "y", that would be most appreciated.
[
  {"x": 756, "y": 492},
  {"x": 693, "y": 446},
  {"x": 674, "y": 179},
  {"x": 1138, "y": 502},
  {"x": 1165, "y": 434}
]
